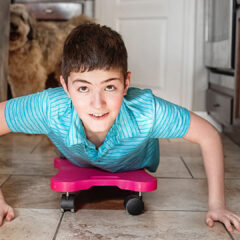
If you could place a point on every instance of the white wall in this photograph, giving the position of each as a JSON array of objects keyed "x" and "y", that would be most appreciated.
[{"x": 200, "y": 82}]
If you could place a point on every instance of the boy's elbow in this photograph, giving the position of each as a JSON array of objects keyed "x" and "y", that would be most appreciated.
[
  {"x": 201, "y": 131},
  {"x": 210, "y": 135},
  {"x": 3, "y": 124}
]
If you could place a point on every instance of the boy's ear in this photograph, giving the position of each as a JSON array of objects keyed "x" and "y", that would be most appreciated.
[
  {"x": 127, "y": 82},
  {"x": 64, "y": 85}
]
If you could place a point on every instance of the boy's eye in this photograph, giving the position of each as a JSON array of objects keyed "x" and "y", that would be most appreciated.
[
  {"x": 110, "y": 88},
  {"x": 83, "y": 89}
]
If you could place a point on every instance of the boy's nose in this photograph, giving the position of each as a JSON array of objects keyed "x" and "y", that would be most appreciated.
[{"x": 98, "y": 101}]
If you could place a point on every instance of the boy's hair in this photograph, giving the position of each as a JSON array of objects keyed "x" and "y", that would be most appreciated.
[{"x": 91, "y": 46}]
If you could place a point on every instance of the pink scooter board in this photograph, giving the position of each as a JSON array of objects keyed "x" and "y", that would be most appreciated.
[{"x": 72, "y": 178}]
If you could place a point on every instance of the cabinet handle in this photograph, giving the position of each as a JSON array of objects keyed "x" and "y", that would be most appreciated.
[
  {"x": 48, "y": 10},
  {"x": 216, "y": 105}
]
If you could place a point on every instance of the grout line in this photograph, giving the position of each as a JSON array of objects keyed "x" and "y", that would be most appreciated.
[
  {"x": 34, "y": 148},
  {"x": 5, "y": 180},
  {"x": 230, "y": 235},
  {"x": 186, "y": 166},
  {"x": 194, "y": 178},
  {"x": 58, "y": 226},
  {"x": 32, "y": 175},
  {"x": 170, "y": 177},
  {"x": 158, "y": 177},
  {"x": 177, "y": 210},
  {"x": 179, "y": 178}
]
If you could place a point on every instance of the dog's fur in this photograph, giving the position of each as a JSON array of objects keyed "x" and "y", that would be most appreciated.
[{"x": 35, "y": 50}]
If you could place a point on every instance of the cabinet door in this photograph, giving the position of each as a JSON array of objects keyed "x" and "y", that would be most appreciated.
[
  {"x": 220, "y": 106},
  {"x": 159, "y": 37}
]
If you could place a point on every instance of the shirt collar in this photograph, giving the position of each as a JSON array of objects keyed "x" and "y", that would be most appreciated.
[
  {"x": 125, "y": 126},
  {"x": 76, "y": 133}
]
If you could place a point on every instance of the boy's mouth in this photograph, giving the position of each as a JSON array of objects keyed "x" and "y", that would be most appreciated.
[{"x": 98, "y": 116}]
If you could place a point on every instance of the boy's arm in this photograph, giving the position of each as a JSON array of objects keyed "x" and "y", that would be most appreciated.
[
  {"x": 5, "y": 210},
  {"x": 3, "y": 124},
  {"x": 203, "y": 133}
]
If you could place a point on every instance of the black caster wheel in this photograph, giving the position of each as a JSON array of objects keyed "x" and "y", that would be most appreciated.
[
  {"x": 68, "y": 203},
  {"x": 134, "y": 204}
]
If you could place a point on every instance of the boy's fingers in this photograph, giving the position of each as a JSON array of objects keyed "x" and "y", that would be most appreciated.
[
  {"x": 210, "y": 222},
  {"x": 1, "y": 218},
  {"x": 237, "y": 216},
  {"x": 227, "y": 224},
  {"x": 235, "y": 222},
  {"x": 9, "y": 217},
  {"x": 10, "y": 214}
]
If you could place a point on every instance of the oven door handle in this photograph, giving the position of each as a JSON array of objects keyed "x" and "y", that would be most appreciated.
[{"x": 216, "y": 105}]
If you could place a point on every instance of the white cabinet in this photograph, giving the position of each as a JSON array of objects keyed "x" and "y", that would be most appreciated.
[{"x": 159, "y": 36}]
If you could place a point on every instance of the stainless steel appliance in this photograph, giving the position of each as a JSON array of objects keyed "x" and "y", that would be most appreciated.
[
  {"x": 220, "y": 18},
  {"x": 58, "y": 10},
  {"x": 220, "y": 57}
]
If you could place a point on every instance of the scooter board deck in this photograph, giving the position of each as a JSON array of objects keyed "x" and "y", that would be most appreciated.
[{"x": 72, "y": 178}]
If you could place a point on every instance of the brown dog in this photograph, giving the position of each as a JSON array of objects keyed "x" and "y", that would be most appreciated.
[{"x": 35, "y": 50}]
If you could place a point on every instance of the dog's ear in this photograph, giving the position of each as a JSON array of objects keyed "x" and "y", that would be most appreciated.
[
  {"x": 30, "y": 33},
  {"x": 31, "y": 23}
]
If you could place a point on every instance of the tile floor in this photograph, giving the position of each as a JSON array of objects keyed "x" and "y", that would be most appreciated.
[{"x": 175, "y": 211}]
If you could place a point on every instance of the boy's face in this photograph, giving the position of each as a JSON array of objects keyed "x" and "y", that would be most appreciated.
[{"x": 97, "y": 97}]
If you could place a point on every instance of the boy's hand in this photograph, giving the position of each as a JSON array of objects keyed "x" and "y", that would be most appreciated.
[
  {"x": 5, "y": 211},
  {"x": 225, "y": 216}
]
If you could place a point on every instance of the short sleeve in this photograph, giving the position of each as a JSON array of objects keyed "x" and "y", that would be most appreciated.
[
  {"x": 171, "y": 121},
  {"x": 28, "y": 114}
]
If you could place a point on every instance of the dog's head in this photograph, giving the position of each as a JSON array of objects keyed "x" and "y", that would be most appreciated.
[{"x": 21, "y": 29}]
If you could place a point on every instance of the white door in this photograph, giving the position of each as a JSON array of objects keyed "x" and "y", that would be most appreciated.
[{"x": 159, "y": 38}]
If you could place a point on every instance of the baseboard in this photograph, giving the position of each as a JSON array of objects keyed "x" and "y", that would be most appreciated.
[{"x": 207, "y": 117}]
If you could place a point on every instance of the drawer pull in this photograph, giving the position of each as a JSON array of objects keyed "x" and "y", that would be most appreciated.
[
  {"x": 48, "y": 10},
  {"x": 216, "y": 105}
]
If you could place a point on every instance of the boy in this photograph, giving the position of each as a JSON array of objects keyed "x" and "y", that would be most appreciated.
[{"x": 95, "y": 119}]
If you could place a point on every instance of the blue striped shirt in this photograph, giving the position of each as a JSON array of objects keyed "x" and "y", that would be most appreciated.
[{"x": 131, "y": 143}]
